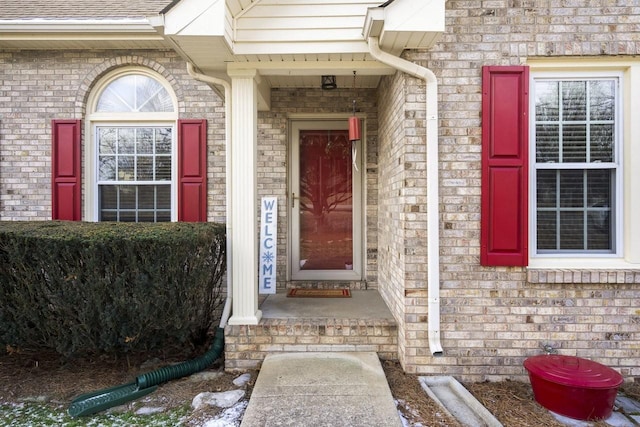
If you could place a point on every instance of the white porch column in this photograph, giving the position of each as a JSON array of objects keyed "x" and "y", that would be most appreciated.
[{"x": 244, "y": 129}]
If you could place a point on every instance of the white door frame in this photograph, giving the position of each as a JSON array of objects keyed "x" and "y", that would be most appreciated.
[{"x": 293, "y": 206}]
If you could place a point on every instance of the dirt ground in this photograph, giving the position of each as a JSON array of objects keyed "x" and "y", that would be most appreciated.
[{"x": 47, "y": 377}]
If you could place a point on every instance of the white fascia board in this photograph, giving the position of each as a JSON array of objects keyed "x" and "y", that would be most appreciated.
[
  {"x": 76, "y": 26},
  {"x": 373, "y": 22},
  {"x": 196, "y": 18},
  {"x": 312, "y": 68}
]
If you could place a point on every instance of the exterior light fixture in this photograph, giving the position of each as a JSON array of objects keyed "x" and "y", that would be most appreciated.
[{"x": 329, "y": 82}]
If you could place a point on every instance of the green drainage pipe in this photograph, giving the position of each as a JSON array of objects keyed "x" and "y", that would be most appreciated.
[{"x": 97, "y": 401}]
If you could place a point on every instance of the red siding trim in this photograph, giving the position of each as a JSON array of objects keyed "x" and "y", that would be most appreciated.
[
  {"x": 192, "y": 170},
  {"x": 66, "y": 170},
  {"x": 505, "y": 141}
]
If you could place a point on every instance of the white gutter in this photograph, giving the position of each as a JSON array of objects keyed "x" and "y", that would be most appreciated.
[
  {"x": 39, "y": 25},
  {"x": 226, "y": 312},
  {"x": 433, "y": 198}
]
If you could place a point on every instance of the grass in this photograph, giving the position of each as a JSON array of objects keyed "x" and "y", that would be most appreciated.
[{"x": 34, "y": 414}]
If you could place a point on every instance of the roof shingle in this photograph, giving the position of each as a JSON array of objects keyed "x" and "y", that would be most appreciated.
[{"x": 80, "y": 9}]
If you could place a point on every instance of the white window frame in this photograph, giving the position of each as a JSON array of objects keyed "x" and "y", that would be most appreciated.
[
  {"x": 626, "y": 252},
  {"x": 140, "y": 119}
]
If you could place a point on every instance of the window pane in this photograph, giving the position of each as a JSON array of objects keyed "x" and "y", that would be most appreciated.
[
  {"x": 135, "y": 93},
  {"x": 108, "y": 216},
  {"x": 144, "y": 140},
  {"x": 574, "y": 143},
  {"x": 547, "y": 143},
  {"x": 163, "y": 216},
  {"x": 144, "y": 168},
  {"x": 599, "y": 226},
  {"x": 126, "y": 141},
  {"x": 147, "y": 197},
  {"x": 599, "y": 188},
  {"x": 602, "y": 103},
  {"x": 163, "y": 168},
  {"x": 601, "y": 143},
  {"x": 127, "y": 197},
  {"x": 146, "y": 216},
  {"x": 163, "y": 194},
  {"x": 127, "y": 216},
  {"x": 547, "y": 105},
  {"x": 125, "y": 168},
  {"x": 547, "y": 228},
  {"x": 118, "y": 96},
  {"x": 574, "y": 101},
  {"x": 546, "y": 189},
  {"x": 572, "y": 188},
  {"x": 107, "y": 168},
  {"x": 163, "y": 140},
  {"x": 599, "y": 200},
  {"x": 571, "y": 230},
  {"x": 108, "y": 197},
  {"x": 152, "y": 96},
  {"x": 106, "y": 140}
]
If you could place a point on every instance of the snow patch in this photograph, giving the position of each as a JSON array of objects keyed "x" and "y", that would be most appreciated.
[
  {"x": 223, "y": 399},
  {"x": 148, "y": 410},
  {"x": 242, "y": 380}
]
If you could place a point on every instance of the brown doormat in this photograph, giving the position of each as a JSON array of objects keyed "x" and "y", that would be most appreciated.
[{"x": 318, "y": 293}]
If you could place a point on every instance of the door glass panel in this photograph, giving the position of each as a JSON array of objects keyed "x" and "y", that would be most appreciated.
[{"x": 326, "y": 200}]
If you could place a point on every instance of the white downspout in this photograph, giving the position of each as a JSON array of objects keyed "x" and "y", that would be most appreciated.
[
  {"x": 226, "y": 311},
  {"x": 433, "y": 198}
]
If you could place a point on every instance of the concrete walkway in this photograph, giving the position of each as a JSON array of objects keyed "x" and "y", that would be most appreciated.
[{"x": 321, "y": 389}]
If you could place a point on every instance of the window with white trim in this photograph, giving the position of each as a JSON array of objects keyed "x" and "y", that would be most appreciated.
[
  {"x": 576, "y": 168},
  {"x": 133, "y": 126}
]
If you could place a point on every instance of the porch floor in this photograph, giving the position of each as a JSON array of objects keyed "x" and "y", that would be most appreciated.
[
  {"x": 362, "y": 323},
  {"x": 362, "y": 305}
]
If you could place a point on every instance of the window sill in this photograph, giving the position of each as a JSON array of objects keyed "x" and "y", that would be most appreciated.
[{"x": 583, "y": 275}]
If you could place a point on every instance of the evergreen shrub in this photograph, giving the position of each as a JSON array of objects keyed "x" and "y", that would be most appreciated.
[{"x": 109, "y": 287}]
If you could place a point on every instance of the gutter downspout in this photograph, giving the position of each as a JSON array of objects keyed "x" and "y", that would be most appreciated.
[
  {"x": 226, "y": 312},
  {"x": 433, "y": 198}
]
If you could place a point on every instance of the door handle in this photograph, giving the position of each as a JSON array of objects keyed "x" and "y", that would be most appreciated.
[{"x": 293, "y": 200}]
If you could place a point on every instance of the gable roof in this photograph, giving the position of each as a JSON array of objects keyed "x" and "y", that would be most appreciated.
[{"x": 80, "y": 9}]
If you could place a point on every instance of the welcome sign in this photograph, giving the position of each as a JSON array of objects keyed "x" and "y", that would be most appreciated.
[{"x": 268, "y": 245}]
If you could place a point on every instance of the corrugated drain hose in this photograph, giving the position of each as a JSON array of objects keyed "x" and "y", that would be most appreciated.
[{"x": 97, "y": 401}]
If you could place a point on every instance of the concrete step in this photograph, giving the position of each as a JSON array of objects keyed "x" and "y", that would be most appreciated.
[{"x": 321, "y": 390}]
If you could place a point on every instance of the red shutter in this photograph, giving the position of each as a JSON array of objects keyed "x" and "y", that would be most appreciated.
[
  {"x": 192, "y": 170},
  {"x": 65, "y": 170},
  {"x": 505, "y": 103}
]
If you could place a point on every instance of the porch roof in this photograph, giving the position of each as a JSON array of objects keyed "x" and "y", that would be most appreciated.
[{"x": 289, "y": 42}]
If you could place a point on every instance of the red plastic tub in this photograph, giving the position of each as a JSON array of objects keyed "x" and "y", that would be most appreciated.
[{"x": 574, "y": 387}]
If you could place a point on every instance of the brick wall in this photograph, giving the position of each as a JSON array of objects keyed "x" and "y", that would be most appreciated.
[
  {"x": 391, "y": 216},
  {"x": 493, "y": 318},
  {"x": 38, "y": 86}
]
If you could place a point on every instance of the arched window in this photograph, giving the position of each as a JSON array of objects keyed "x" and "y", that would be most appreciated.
[{"x": 132, "y": 154}]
